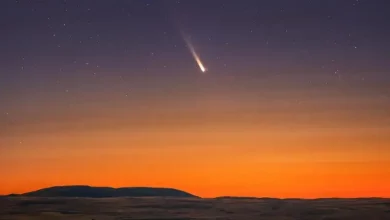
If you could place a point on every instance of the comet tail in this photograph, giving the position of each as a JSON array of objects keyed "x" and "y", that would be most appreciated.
[{"x": 195, "y": 55}]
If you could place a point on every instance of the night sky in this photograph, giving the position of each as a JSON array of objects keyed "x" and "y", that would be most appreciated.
[{"x": 109, "y": 93}]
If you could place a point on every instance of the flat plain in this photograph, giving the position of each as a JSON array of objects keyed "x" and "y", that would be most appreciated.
[{"x": 23, "y": 208}]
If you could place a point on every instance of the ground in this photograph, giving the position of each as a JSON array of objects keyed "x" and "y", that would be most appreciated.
[{"x": 17, "y": 208}]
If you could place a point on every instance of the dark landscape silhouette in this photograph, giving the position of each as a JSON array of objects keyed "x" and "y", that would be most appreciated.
[
  {"x": 105, "y": 192},
  {"x": 146, "y": 203}
]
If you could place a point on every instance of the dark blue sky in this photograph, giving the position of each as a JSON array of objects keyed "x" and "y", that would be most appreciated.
[{"x": 53, "y": 48}]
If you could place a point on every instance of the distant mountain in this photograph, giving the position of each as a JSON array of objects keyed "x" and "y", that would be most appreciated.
[
  {"x": 246, "y": 198},
  {"x": 235, "y": 197},
  {"x": 106, "y": 192}
]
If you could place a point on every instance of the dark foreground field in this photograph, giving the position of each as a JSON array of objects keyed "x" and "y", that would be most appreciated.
[{"x": 183, "y": 209}]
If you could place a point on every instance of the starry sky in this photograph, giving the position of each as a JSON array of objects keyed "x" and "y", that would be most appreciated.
[{"x": 295, "y": 101}]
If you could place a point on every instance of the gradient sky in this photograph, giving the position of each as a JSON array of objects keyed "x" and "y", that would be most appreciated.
[{"x": 295, "y": 102}]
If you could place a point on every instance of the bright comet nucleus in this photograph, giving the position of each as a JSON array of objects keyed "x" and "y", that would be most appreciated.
[{"x": 194, "y": 54}]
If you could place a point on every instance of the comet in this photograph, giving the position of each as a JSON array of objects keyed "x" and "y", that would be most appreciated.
[{"x": 194, "y": 54}]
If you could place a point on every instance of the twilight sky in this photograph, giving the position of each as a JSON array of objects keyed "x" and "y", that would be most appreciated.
[{"x": 295, "y": 101}]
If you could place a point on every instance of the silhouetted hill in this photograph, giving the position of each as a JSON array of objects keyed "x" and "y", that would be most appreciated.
[
  {"x": 246, "y": 198},
  {"x": 104, "y": 192}
]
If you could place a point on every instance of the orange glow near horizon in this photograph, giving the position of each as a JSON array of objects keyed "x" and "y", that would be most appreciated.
[{"x": 212, "y": 148}]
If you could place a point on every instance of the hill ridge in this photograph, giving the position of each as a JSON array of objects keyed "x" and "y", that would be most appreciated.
[{"x": 106, "y": 192}]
